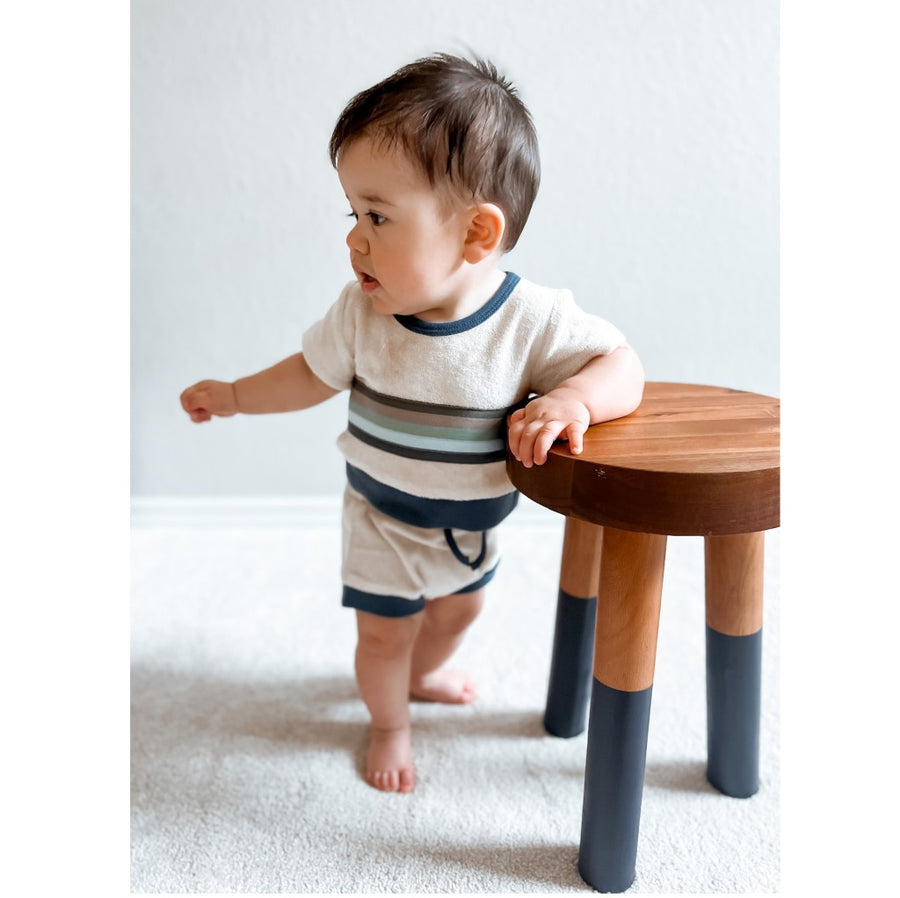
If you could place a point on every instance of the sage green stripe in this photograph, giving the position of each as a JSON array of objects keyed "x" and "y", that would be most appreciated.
[
  {"x": 425, "y": 438},
  {"x": 412, "y": 428}
]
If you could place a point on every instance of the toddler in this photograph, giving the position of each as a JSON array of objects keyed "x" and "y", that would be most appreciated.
[{"x": 440, "y": 350}]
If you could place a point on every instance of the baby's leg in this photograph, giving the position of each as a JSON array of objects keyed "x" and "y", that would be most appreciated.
[
  {"x": 383, "y": 664},
  {"x": 445, "y": 623}
]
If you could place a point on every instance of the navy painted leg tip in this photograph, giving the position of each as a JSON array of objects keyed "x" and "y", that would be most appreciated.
[
  {"x": 733, "y": 789},
  {"x": 614, "y": 886},
  {"x": 562, "y": 731}
]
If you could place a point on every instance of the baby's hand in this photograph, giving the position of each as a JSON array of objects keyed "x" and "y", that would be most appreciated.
[
  {"x": 208, "y": 398},
  {"x": 557, "y": 415}
]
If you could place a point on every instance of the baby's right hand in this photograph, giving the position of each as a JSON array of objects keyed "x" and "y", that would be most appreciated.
[{"x": 208, "y": 398}]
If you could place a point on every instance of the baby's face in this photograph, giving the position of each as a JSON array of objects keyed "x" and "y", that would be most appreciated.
[{"x": 406, "y": 247}]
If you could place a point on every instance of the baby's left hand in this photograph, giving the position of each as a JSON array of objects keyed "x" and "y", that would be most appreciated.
[{"x": 557, "y": 415}]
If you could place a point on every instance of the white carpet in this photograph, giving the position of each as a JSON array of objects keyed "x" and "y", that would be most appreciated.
[{"x": 248, "y": 735}]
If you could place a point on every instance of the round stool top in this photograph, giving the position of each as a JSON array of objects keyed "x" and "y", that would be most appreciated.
[{"x": 692, "y": 460}]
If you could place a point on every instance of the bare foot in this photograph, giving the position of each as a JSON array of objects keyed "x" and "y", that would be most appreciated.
[
  {"x": 448, "y": 686},
  {"x": 389, "y": 764}
]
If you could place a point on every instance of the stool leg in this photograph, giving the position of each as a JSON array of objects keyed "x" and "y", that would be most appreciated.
[
  {"x": 734, "y": 602},
  {"x": 631, "y": 574},
  {"x": 569, "y": 688}
]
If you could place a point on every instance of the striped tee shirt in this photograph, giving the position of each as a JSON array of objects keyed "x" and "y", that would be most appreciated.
[
  {"x": 425, "y": 440},
  {"x": 426, "y": 430}
]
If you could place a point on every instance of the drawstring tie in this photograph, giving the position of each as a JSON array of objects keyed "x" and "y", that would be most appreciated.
[{"x": 448, "y": 535}]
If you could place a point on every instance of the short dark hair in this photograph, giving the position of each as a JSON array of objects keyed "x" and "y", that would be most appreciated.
[{"x": 461, "y": 123}]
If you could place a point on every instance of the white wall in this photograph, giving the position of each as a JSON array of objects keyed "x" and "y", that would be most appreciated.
[{"x": 658, "y": 122}]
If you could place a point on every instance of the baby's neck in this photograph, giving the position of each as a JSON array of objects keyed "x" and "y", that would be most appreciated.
[{"x": 469, "y": 297}]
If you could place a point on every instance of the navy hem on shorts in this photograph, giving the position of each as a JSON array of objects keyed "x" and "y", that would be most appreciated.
[
  {"x": 383, "y": 606},
  {"x": 482, "y": 581},
  {"x": 397, "y": 606}
]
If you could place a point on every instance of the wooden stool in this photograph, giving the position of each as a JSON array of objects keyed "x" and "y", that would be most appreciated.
[{"x": 692, "y": 461}]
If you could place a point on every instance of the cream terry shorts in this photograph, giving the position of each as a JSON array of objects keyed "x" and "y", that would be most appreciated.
[{"x": 391, "y": 568}]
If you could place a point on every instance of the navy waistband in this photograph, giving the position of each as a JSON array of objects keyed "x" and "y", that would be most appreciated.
[{"x": 459, "y": 514}]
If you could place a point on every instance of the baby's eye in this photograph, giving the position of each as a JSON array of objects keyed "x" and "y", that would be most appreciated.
[{"x": 374, "y": 216}]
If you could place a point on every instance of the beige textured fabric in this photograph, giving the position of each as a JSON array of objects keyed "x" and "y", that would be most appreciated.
[{"x": 384, "y": 556}]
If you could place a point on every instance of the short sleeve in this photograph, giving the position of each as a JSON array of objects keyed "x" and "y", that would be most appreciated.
[
  {"x": 571, "y": 339},
  {"x": 329, "y": 344}
]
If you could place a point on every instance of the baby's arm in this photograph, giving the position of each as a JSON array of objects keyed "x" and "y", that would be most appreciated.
[
  {"x": 286, "y": 387},
  {"x": 607, "y": 387}
]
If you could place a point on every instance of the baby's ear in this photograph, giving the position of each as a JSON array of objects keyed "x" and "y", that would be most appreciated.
[{"x": 487, "y": 225}]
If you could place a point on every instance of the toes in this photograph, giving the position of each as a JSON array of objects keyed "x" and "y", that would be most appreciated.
[
  {"x": 382, "y": 780},
  {"x": 389, "y": 765},
  {"x": 393, "y": 780},
  {"x": 407, "y": 780}
]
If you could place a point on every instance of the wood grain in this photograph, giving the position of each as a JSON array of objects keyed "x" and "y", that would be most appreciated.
[
  {"x": 580, "y": 568},
  {"x": 692, "y": 460},
  {"x": 734, "y": 583},
  {"x": 631, "y": 577}
]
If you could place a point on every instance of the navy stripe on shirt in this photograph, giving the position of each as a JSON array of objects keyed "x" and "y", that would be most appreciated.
[{"x": 458, "y": 514}]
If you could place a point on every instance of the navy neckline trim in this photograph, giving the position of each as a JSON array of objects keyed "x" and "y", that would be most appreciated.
[{"x": 446, "y": 328}]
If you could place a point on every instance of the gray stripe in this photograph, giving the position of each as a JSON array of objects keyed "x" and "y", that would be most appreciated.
[
  {"x": 406, "y": 431},
  {"x": 447, "y": 443},
  {"x": 428, "y": 418},
  {"x": 427, "y": 407},
  {"x": 459, "y": 458}
]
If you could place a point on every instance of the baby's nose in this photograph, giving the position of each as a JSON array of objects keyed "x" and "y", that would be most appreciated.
[{"x": 356, "y": 241}]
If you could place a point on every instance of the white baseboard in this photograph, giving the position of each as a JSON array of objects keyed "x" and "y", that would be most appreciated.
[
  {"x": 263, "y": 511},
  {"x": 235, "y": 511}
]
